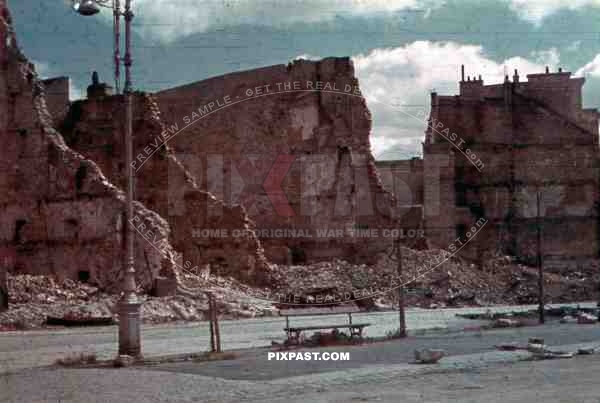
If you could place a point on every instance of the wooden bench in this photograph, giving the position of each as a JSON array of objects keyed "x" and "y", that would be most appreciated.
[{"x": 294, "y": 333}]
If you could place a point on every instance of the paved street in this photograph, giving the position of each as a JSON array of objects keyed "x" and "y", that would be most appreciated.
[
  {"x": 37, "y": 348},
  {"x": 463, "y": 347},
  {"x": 19, "y": 350},
  {"x": 479, "y": 377},
  {"x": 377, "y": 372}
]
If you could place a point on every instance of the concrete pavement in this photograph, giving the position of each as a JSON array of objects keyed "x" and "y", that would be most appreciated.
[
  {"x": 19, "y": 350},
  {"x": 480, "y": 377}
]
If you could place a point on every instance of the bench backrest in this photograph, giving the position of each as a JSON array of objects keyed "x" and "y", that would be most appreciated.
[{"x": 314, "y": 311}]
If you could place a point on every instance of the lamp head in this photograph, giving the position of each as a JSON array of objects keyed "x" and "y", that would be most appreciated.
[{"x": 86, "y": 7}]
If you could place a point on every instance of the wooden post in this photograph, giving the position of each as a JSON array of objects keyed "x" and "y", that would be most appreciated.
[
  {"x": 210, "y": 319},
  {"x": 287, "y": 326},
  {"x": 216, "y": 325},
  {"x": 402, "y": 317},
  {"x": 539, "y": 261}
]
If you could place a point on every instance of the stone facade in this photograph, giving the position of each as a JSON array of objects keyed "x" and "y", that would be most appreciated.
[{"x": 506, "y": 144}]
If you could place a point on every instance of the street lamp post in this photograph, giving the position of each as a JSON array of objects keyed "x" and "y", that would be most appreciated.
[{"x": 129, "y": 305}]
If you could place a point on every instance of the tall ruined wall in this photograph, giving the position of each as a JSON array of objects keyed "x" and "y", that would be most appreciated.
[
  {"x": 303, "y": 127},
  {"x": 95, "y": 127},
  {"x": 404, "y": 178},
  {"x": 59, "y": 214},
  {"x": 532, "y": 137}
]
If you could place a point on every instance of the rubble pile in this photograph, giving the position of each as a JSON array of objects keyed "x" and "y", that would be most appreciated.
[
  {"x": 433, "y": 279},
  {"x": 34, "y": 298},
  {"x": 47, "y": 289}
]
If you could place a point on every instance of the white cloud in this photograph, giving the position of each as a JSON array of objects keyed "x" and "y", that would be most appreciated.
[
  {"x": 306, "y": 56},
  {"x": 168, "y": 20},
  {"x": 536, "y": 11},
  {"x": 409, "y": 73},
  {"x": 590, "y": 69},
  {"x": 380, "y": 144}
]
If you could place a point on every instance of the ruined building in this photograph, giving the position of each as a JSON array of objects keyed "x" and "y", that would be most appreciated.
[
  {"x": 498, "y": 148},
  {"x": 59, "y": 213},
  {"x": 274, "y": 165},
  {"x": 252, "y": 182}
]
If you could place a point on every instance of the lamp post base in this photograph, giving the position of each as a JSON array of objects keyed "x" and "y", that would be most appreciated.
[{"x": 129, "y": 327}]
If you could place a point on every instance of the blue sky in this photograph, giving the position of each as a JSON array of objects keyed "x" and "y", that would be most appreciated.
[{"x": 402, "y": 49}]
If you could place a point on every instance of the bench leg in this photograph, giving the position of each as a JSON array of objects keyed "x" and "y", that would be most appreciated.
[
  {"x": 356, "y": 332},
  {"x": 294, "y": 338}
]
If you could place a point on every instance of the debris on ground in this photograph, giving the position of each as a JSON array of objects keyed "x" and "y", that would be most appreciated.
[
  {"x": 568, "y": 319},
  {"x": 586, "y": 351},
  {"x": 74, "y": 359},
  {"x": 506, "y": 322},
  {"x": 586, "y": 319},
  {"x": 433, "y": 279},
  {"x": 549, "y": 355},
  {"x": 34, "y": 299},
  {"x": 428, "y": 356},
  {"x": 540, "y": 351},
  {"x": 513, "y": 346}
]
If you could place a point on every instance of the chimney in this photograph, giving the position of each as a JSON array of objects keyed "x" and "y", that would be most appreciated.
[
  {"x": 480, "y": 79},
  {"x": 516, "y": 76},
  {"x": 547, "y": 70},
  {"x": 462, "y": 72},
  {"x": 98, "y": 89},
  {"x": 560, "y": 69}
]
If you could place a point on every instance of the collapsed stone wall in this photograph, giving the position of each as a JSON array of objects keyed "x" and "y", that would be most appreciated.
[
  {"x": 296, "y": 156},
  {"x": 95, "y": 127},
  {"x": 59, "y": 213}
]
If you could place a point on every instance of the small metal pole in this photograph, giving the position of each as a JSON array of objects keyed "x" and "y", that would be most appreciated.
[
  {"x": 117, "y": 44},
  {"x": 539, "y": 262},
  {"x": 129, "y": 307}
]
